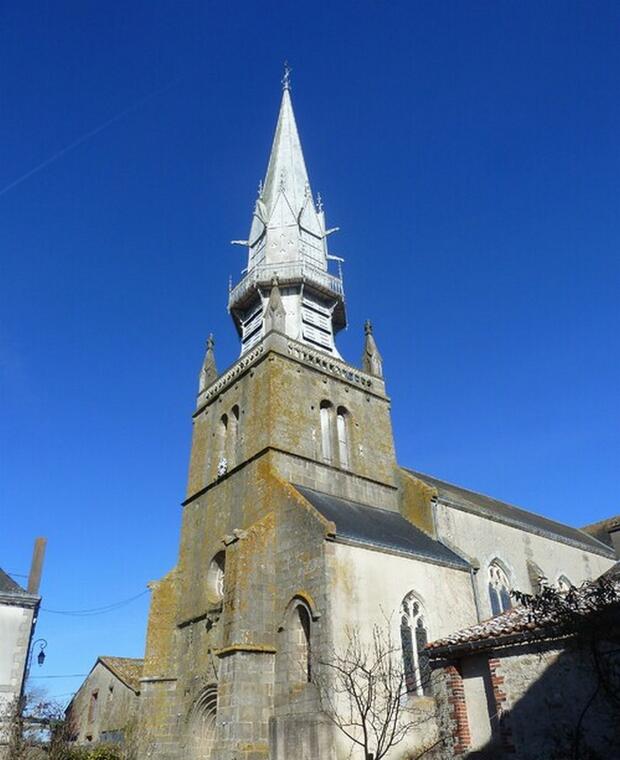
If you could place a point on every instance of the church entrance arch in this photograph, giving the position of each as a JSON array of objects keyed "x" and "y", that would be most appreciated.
[{"x": 201, "y": 725}]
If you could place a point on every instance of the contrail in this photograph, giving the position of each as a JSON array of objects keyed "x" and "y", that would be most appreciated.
[{"x": 85, "y": 137}]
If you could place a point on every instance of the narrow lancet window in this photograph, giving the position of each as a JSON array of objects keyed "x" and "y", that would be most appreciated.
[
  {"x": 305, "y": 649},
  {"x": 223, "y": 435},
  {"x": 343, "y": 443},
  {"x": 233, "y": 436},
  {"x": 326, "y": 431}
]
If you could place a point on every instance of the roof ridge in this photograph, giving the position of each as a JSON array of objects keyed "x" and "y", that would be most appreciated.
[
  {"x": 519, "y": 513},
  {"x": 481, "y": 493}
]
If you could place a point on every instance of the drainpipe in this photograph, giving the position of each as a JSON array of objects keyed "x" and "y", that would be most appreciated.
[{"x": 473, "y": 569}]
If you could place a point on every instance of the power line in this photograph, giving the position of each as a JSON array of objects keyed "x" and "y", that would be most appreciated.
[
  {"x": 97, "y": 610},
  {"x": 67, "y": 675}
]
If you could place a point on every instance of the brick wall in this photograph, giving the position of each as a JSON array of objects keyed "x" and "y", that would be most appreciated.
[
  {"x": 456, "y": 699},
  {"x": 502, "y": 725}
]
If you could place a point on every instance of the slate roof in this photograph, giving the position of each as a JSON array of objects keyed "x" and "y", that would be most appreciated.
[
  {"x": 380, "y": 528},
  {"x": 500, "y": 511},
  {"x": 600, "y": 530},
  {"x": 9, "y": 586},
  {"x": 126, "y": 669}
]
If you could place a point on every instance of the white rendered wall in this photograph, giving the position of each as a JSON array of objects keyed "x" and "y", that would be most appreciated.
[
  {"x": 15, "y": 625},
  {"x": 483, "y": 540},
  {"x": 368, "y": 586},
  {"x": 479, "y": 699}
]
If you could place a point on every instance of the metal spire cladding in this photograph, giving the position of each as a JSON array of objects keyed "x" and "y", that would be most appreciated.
[{"x": 288, "y": 240}]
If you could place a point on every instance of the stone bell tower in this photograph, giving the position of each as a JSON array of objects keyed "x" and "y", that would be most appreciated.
[
  {"x": 220, "y": 681},
  {"x": 288, "y": 243}
]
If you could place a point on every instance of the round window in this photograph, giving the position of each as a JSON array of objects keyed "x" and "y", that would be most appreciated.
[{"x": 215, "y": 577}]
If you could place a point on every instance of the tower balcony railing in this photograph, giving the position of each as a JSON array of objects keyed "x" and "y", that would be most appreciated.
[{"x": 287, "y": 272}]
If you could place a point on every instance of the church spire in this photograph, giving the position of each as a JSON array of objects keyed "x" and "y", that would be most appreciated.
[
  {"x": 288, "y": 240},
  {"x": 286, "y": 172}
]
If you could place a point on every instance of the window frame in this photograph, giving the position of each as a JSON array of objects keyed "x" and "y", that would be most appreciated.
[
  {"x": 499, "y": 587},
  {"x": 413, "y": 621}
]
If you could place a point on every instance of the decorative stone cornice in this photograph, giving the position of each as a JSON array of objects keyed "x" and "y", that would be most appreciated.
[
  {"x": 232, "y": 374},
  {"x": 280, "y": 344},
  {"x": 329, "y": 364}
]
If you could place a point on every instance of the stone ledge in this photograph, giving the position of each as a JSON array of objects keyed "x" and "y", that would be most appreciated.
[{"x": 248, "y": 648}]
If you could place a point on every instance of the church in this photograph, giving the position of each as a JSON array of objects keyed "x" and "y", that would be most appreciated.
[{"x": 299, "y": 525}]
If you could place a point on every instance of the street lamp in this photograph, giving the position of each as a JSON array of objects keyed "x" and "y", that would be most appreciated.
[{"x": 41, "y": 655}]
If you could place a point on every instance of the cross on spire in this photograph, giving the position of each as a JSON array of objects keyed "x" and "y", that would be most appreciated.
[{"x": 286, "y": 79}]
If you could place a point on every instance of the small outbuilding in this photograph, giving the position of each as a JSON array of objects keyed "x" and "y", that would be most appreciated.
[
  {"x": 105, "y": 707},
  {"x": 532, "y": 684}
]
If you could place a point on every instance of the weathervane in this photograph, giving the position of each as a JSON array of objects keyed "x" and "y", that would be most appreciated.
[{"x": 286, "y": 79}]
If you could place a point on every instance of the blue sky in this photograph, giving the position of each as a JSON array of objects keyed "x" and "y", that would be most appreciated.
[{"x": 469, "y": 153}]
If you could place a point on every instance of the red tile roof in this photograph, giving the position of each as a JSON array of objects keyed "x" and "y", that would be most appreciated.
[
  {"x": 522, "y": 622},
  {"x": 514, "y": 621},
  {"x": 127, "y": 669}
]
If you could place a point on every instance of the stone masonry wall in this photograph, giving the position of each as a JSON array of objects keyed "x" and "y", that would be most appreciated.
[{"x": 112, "y": 711}]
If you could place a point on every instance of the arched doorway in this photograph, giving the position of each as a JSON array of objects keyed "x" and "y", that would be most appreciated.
[{"x": 201, "y": 726}]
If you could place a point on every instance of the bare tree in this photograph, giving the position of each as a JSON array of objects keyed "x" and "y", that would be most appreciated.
[
  {"x": 363, "y": 692},
  {"x": 36, "y": 724}
]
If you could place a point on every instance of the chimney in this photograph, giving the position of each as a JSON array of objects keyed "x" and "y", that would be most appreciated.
[{"x": 34, "y": 579}]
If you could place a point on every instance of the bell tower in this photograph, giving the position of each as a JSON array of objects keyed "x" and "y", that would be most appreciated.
[
  {"x": 287, "y": 246},
  {"x": 290, "y": 417}
]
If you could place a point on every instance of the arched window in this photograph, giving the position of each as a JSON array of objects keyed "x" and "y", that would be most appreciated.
[
  {"x": 499, "y": 589},
  {"x": 223, "y": 434},
  {"x": 222, "y": 439},
  {"x": 326, "y": 431},
  {"x": 342, "y": 425},
  {"x": 305, "y": 653},
  {"x": 215, "y": 577},
  {"x": 414, "y": 638},
  {"x": 233, "y": 435},
  {"x": 201, "y": 724},
  {"x": 564, "y": 584},
  {"x": 294, "y": 659}
]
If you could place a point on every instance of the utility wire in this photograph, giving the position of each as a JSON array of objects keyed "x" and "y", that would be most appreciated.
[
  {"x": 97, "y": 610},
  {"x": 68, "y": 675}
]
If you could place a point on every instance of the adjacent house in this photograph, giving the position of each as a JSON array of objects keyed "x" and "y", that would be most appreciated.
[
  {"x": 105, "y": 706},
  {"x": 19, "y": 608},
  {"x": 537, "y": 684}
]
